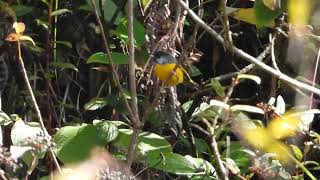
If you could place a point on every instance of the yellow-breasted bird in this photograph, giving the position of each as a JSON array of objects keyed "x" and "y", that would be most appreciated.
[{"x": 164, "y": 68}]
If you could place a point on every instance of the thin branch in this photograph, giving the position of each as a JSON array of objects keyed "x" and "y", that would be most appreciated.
[
  {"x": 248, "y": 57},
  {"x": 314, "y": 78},
  {"x": 35, "y": 104},
  {"x": 137, "y": 125}
]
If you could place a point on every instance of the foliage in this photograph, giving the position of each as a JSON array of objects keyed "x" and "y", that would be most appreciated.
[{"x": 68, "y": 65}]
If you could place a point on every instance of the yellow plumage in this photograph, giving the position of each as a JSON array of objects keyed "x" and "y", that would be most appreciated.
[{"x": 163, "y": 71}]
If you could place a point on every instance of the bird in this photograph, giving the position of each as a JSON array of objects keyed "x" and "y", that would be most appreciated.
[{"x": 165, "y": 69}]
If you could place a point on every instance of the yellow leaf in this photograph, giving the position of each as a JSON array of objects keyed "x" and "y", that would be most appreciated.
[
  {"x": 284, "y": 126},
  {"x": 249, "y": 15},
  {"x": 26, "y": 38},
  {"x": 299, "y": 11},
  {"x": 19, "y": 27}
]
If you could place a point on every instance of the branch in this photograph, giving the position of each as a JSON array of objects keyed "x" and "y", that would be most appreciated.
[
  {"x": 248, "y": 57},
  {"x": 137, "y": 125}
]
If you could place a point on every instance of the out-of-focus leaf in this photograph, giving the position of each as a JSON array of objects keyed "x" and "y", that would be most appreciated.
[
  {"x": 100, "y": 57},
  {"x": 60, "y": 12},
  {"x": 21, "y": 10},
  {"x": 74, "y": 143},
  {"x": 299, "y": 12},
  {"x": 63, "y": 65}
]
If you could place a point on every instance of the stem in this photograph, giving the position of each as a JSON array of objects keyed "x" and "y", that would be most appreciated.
[
  {"x": 137, "y": 125},
  {"x": 35, "y": 104}
]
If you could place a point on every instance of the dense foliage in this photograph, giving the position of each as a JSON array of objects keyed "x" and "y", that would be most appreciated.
[{"x": 84, "y": 96}]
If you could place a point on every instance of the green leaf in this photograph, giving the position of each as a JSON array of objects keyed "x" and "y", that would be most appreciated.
[
  {"x": 4, "y": 119},
  {"x": 217, "y": 87},
  {"x": 109, "y": 9},
  {"x": 264, "y": 15},
  {"x": 195, "y": 71},
  {"x": 63, "y": 65},
  {"x": 297, "y": 152},
  {"x": 21, "y": 10},
  {"x": 74, "y": 143},
  {"x": 95, "y": 103},
  {"x": 60, "y": 12},
  {"x": 148, "y": 142},
  {"x": 170, "y": 162},
  {"x": 100, "y": 57},
  {"x": 65, "y": 43},
  {"x": 107, "y": 129},
  {"x": 122, "y": 31}
]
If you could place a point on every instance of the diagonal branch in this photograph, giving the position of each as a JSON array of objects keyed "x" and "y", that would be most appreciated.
[{"x": 248, "y": 57}]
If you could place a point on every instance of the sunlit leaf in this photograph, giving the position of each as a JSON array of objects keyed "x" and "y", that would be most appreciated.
[
  {"x": 214, "y": 102},
  {"x": 256, "y": 79},
  {"x": 27, "y": 38},
  {"x": 247, "y": 108},
  {"x": 60, "y": 12},
  {"x": 19, "y": 27},
  {"x": 281, "y": 105},
  {"x": 95, "y": 103}
]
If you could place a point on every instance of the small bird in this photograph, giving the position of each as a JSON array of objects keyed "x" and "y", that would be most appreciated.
[{"x": 165, "y": 70}]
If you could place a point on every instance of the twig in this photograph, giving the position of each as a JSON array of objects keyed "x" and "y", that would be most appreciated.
[
  {"x": 225, "y": 21},
  {"x": 314, "y": 78},
  {"x": 136, "y": 124},
  {"x": 273, "y": 58},
  {"x": 248, "y": 57}
]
